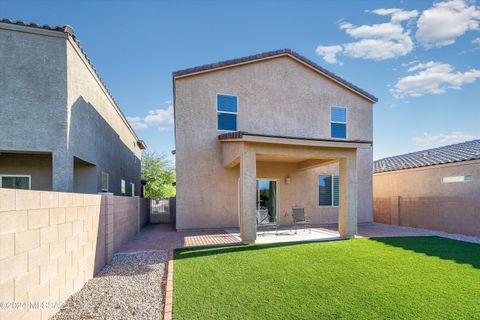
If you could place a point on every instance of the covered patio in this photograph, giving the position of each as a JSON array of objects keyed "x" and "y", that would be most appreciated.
[{"x": 248, "y": 153}]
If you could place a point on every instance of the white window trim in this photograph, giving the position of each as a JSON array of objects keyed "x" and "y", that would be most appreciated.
[
  {"x": 332, "y": 195},
  {"x": 226, "y": 112},
  {"x": 339, "y": 122},
  {"x": 132, "y": 189},
  {"x": 108, "y": 182},
  {"x": 19, "y": 176}
]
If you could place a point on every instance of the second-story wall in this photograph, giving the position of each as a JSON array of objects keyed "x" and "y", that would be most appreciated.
[
  {"x": 94, "y": 117},
  {"x": 33, "y": 94},
  {"x": 281, "y": 97},
  {"x": 278, "y": 96}
]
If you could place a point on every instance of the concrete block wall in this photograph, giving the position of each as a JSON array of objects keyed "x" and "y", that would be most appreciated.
[
  {"x": 51, "y": 243},
  {"x": 455, "y": 214}
]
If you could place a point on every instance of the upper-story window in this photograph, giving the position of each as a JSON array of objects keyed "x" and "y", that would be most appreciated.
[
  {"x": 338, "y": 122},
  {"x": 227, "y": 111}
]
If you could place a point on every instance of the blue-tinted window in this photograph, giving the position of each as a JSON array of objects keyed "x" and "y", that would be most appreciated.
[
  {"x": 227, "y": 109},
  {"x": 328, "y": 191},
  {"x": 339, "y": 114},
  {"x": 227, "y": 121},
  {"x": 226, "y": 103},
  {"x": 338, "y": 122},
  {"x": 339, "y": 130}
]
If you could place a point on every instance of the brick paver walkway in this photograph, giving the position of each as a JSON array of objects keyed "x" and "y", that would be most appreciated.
[{"x": 165, "y": 237}]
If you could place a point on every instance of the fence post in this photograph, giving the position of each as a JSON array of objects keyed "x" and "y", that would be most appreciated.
[
  {"x": 137, "y": 205},
  {"x": 395, "y": 210},
  {"x": 109, "y": 226}
]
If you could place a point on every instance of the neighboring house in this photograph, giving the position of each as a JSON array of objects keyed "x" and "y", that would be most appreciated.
[
  {"x": 60, "y": 128},
  {"x": 435, "y": 189},
  {"x": 265, "y": 133}
]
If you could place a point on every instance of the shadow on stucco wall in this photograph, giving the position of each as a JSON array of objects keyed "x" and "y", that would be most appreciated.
[{"x": 93, "y": 140}]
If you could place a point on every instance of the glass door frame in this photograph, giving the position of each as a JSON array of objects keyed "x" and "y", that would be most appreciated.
[
  {"x": 277, "y": 196},
  {"x": 277, "y": 200}
]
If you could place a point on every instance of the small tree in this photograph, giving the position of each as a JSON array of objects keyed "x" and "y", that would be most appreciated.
[{"x": 160, "y": 175}]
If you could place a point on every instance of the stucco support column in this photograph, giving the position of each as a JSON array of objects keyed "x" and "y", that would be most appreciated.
[
  {"x": 62, "y": 172},
  {"x": 248, "y": 181},
  {"x": 347, "y": 213}
]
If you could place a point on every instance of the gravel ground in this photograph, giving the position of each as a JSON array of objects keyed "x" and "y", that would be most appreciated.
[{"x": 130, "y": 287}]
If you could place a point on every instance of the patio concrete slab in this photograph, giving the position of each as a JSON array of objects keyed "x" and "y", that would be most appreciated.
[{"x": 287, "y": 234}]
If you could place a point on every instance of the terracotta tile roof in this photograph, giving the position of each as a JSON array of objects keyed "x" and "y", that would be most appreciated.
[
  {"x": 69, "y": 31},
  {"x": 226, "y": 63},
  {"x": 464, "y": 151},
  {"x": 240, "y": 134}
]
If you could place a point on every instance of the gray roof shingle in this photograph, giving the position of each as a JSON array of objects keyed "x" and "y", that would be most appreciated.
[
  {"x": 268, "y": 54},
  {"x": 464, "y": 151}
]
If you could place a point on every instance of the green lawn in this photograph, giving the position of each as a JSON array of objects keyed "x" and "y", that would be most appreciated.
[{"x": 384, "y": 278}]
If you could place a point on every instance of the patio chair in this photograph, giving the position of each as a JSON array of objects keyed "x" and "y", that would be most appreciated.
[
  {"x": 299, "y": 219},
  {"x": 263, "y": 221}
]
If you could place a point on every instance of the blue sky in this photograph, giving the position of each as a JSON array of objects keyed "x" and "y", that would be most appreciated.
[{"x": 420, "y": 58}]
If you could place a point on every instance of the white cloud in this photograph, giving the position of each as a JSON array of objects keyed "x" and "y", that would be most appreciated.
[
  {"x": 137, "y": 123},
  {"x": 430, "y": 140},
  {"x": 442, "y": 24},
  {"x": 329, "y": 53},
  {"x": 379, "y": 49},
  {"x": 159, "y": 118},
  {"x": 377, "y": 41},
  {"x": 476, "y": 41},
  {"x": 397, "y": 14},
  {"x": 434, "y": 78}
]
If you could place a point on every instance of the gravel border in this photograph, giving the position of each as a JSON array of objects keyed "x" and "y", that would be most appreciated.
[{"x": 130, "y": 287}]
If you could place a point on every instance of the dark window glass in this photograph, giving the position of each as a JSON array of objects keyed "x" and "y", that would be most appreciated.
[
  {"x": 339, "y": 130},
  {"x": 16, "y": 182},
  {"x": 325, "y": 190},
  {"x": 227, "y": 121}
]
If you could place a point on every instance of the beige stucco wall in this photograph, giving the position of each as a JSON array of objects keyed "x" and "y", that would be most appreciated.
[
  {"x": 418, "y": 198},
  {"x": 38, "y": 166},
  {"x": 51, "y": 243},
  {"x": 277, "y": 97},
  {"x": 427, "y": 181}
]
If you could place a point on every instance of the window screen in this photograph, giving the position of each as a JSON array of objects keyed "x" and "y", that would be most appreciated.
[{"x": 338, "y": 122}]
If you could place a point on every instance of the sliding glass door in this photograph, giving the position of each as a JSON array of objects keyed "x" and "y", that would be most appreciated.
[{"x": 267, "y": 211}]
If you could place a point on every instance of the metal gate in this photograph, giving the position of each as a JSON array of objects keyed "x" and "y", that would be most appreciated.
[{"x": 162, "y": 210}]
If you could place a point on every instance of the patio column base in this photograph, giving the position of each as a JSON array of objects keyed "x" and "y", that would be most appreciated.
[{"x": 248, "y": 180}]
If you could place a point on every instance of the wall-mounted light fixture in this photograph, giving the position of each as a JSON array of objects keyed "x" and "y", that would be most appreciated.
[{"x": 288, "y": 180}]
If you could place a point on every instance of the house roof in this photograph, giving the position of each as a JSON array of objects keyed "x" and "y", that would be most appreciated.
[
  {"x": 273, "y": 54},
  {"x": 464, "y": 151},
  {"x": 68, "y": 30}
]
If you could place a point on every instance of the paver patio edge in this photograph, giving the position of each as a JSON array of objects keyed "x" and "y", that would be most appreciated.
[{"x": 168, "y": 304}]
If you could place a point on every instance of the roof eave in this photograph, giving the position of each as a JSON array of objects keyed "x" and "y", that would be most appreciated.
[{"x": 272, "y": 55}]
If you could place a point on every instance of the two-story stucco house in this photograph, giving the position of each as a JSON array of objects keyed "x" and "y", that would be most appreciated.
[
  {"x": 271, "y": 131},
  {"x": 60, "y": 128}
]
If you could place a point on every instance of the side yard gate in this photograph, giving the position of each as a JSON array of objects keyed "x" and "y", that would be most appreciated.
[{"x": 162, "y": 210}]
